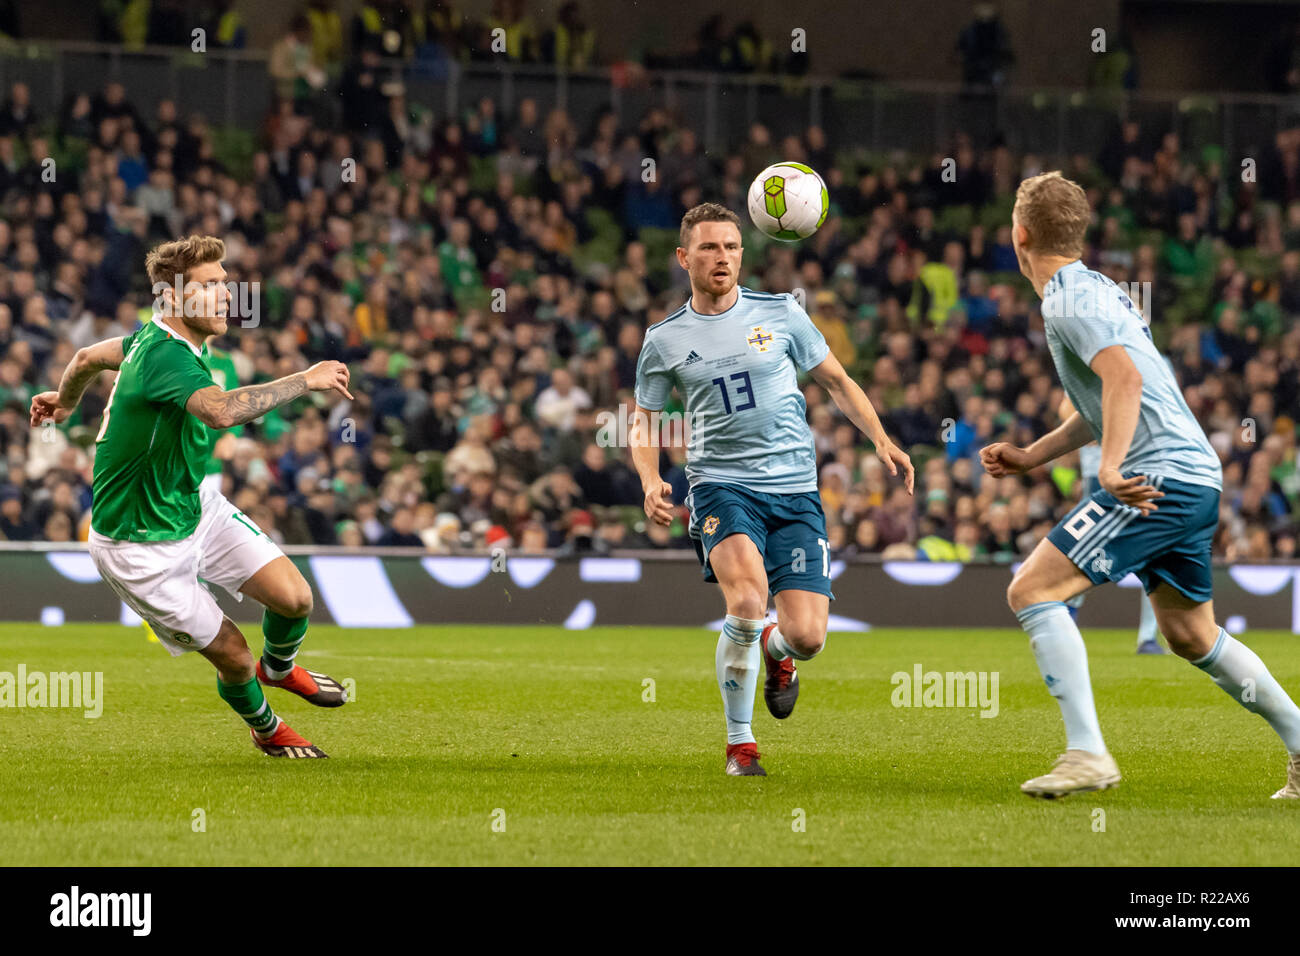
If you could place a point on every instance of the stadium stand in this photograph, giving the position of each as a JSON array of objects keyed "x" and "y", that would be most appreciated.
[{"x": 489, "y": 275}]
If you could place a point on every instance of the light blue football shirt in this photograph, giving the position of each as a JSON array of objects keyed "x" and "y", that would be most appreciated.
[
  {"x": 1090, "y": 460},
  {"x": 1083, "y": 313},
  {"x": 737, "y": 374}
]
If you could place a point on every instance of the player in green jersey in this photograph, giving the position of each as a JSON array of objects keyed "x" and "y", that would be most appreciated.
[{"x": 155, "y": 530}]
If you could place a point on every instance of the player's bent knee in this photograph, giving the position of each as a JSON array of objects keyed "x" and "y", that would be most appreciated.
[
  {"x": 1024, "y": 591},
  {"x": 296, "y": 602},
  {"x": 806, "y": 641},
  {"x": 302, "y": 603},
  {"x": 1186, "y": 642},
  {"x": 1018, "y": 594},
  {"x": 749, "y": 603}
]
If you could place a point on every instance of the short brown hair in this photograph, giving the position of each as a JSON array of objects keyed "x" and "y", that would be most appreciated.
[
  {"x": 705, "y": 212},
  {"x": 171, "y": 259},
  {"x": 1055, "y": 213}
]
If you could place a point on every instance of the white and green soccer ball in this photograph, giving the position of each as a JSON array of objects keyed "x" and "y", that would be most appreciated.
[{"x": 788, "y": 201}]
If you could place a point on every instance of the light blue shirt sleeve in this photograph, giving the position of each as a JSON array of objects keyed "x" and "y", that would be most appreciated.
[
  {"x": 654, "y": 382},
  {"x": 1086, "y": 335},
  {"x": 808, "y": 346}
]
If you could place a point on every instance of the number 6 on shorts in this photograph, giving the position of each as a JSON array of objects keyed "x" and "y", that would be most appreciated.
[{"x": 1078, "y": 525}]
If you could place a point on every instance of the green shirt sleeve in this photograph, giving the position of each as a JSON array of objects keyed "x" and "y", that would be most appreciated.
[{"x": 174, "y": 374}]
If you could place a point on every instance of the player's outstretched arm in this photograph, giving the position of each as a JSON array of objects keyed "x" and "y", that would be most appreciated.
[
  {"x": 217, "y": 408},
  {"x": 1003, "y": 458},
  {"x": 645, "y": 456},
  {"x": 81, "y": 371},
  {"x": 853, "y": 402}
]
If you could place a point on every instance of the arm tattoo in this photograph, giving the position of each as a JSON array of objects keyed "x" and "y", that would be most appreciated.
[
  {"x": 75, "y": 379},
  {"x": 83, "y": 368},
  {"x": 241, "y": 405}
]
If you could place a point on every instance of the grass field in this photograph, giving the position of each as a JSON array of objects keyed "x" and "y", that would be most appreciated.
[{"x": 452, "y": 726}]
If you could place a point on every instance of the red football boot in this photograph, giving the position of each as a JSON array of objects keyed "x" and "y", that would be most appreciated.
[
  {"x": 742, "y": 761},
  {"x": 285, "y": 743},
  {"x": 314, "y": 688},
  {"x": 781, "y": 689}
]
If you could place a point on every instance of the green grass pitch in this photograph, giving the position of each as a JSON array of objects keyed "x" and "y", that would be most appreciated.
[{"x": 546, "y": 734}]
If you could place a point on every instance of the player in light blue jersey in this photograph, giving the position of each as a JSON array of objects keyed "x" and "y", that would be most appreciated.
[
  {"x": 734, "y": 356},
  {"x": 1148, "y": 639},
  {"x": 1155, "y": 514}
]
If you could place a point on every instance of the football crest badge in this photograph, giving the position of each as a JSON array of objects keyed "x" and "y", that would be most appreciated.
[{"x": 760, "y": 340}]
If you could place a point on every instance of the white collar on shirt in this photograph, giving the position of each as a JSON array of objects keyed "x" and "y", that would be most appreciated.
[{"x": 157, "y": 320}]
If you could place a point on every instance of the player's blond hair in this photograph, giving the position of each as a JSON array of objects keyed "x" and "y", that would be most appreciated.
[
  {"x": 177, "y": 257},
  {"x": 705, "y": 212},
  {"x": 1055, "y": 213}
]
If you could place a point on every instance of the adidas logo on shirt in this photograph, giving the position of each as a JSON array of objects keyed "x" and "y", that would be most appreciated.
[{"x": 693, "y": 358}]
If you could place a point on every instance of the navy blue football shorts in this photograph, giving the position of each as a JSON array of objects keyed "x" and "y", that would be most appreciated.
[
  {"x": 1107, "y": 540},
  {"x": 788, "y": 530}
]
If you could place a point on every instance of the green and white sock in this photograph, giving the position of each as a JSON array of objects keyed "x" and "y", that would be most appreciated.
[
  {"x": 284, "y": 635},
  {"x": 1242, "y": 675},
  {"x": 248, "y": 701}
]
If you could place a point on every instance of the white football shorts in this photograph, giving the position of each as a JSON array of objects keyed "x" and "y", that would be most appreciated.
[{"x": 160, "y": 580}]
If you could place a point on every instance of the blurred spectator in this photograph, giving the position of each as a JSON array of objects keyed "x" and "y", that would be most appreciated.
[
  {"x": 228, "y": 28},
  {"x": 16, "y": 116},
  {"x": 326, "y": 35},
  {"x": 985, "y": 48},
  {"x": 291, "y": 64},
  {"x": 571, "y": 43}
]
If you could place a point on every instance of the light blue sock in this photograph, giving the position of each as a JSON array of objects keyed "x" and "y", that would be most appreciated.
[
  {"x": 1242, "y": 675},
  {"x": 1063, "y": 662},
  {"x": 780, "y": 650},
  {"x": 1147, "y": 623},
  {"x": 738, "y": 661}
]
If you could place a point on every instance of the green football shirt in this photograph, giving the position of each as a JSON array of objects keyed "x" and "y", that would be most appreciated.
[{"x": 151, "y": 453}]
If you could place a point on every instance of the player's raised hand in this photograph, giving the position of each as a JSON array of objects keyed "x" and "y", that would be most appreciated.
[
  {"x": 659, "y": 503},
  {"x": 1003, "y": 458},
  {"x": 894, "y": 459},
  {"x": 45, "y": 407},
  {"x": 324, "y": 376},
  {"x": 1133, "y": 491}
]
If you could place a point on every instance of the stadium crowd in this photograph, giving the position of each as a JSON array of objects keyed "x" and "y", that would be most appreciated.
[{"x": 489, "y": 279}]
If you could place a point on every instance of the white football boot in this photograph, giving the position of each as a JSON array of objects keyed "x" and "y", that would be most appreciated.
[
  {"x": 1292, "y": 789},
  {"x": 1075, "y": 771}
]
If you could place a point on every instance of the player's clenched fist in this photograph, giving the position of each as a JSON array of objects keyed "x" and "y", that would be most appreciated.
[
  {"x": 324, "y": 376},
  {"x": 659, "y": 503},
  {"x": 1003, "y": 458},
  {"x": 45, "y": 407}
]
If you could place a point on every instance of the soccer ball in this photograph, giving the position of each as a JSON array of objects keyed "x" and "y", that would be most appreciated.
[{"x": 788, "y": 201}]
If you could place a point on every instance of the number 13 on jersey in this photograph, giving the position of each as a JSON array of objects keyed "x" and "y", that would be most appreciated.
[{"x": 745, "y": 388}]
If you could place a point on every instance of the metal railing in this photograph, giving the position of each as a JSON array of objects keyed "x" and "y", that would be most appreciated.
[{"x": 234, "y": 89}]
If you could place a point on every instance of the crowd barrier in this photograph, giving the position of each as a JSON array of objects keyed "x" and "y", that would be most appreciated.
[
  {"x": 234, "y": 89},
  {"x": 52, "y": 585}
]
